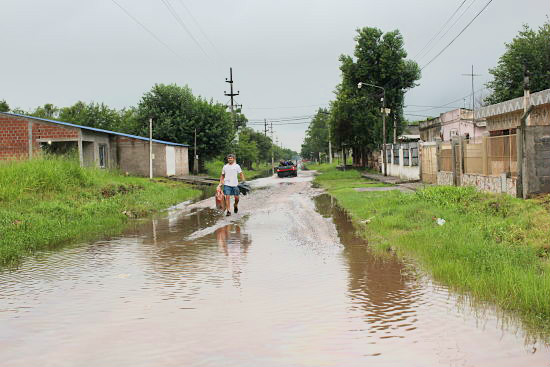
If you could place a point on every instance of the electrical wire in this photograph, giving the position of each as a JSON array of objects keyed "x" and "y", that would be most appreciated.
[
  {"x": 458, "y": 35},
  {"x": 183, "y": 26},
  {"x": 441, "y": 29},
  {"x": 147, "y": 30},
  {"x": 447, "y": 31},
  {"x": 200, "y": 28},
  {"x": 275, "y": 108}
]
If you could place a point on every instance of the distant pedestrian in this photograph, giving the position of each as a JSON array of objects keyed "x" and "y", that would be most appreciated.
[{"x": 229, "y": 181}]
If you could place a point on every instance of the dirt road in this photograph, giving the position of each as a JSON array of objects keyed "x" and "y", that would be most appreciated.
[{"x": 284, "y": 282}]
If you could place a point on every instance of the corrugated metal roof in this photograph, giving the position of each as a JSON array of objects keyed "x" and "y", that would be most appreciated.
[{"x": 95, "y": 129}]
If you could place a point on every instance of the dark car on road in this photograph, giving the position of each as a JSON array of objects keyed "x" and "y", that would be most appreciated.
[{"x": 287, "y": 169}]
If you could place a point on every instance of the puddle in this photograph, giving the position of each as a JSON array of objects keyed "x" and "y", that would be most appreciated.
[{"x": 287, "y": 283}]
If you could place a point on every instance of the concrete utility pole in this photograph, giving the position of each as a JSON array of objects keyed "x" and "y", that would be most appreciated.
[
  {"x": 523, "y": 180},
  {"x": 272, "y": 153},
  {"x": 231, "y": 94},
  {"x": 473, "y": 96},
  {"x": 394, "y": 128},
  {"x": 384, "y": 164},
  {"x": 329, "y": 147},
  {"x": 150, "y": 147},
  {"x": 196, "y": 157},
  {"x": 265, "y": 127}
]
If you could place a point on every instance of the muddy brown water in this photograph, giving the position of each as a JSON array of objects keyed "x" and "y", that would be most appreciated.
[{"x": 284, "y": 282}]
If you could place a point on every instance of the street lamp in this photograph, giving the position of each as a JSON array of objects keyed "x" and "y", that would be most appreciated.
[{"x": 359, "y": 85}]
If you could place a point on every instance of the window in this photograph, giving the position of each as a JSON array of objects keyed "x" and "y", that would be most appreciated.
[
  {"x": 414, "y": 156},
  {"x": 406, "y": 156},
  {"x": 102, "y": 155},
  {"x": 388, "y": 154},
  {"x": 396, "y": 154}
]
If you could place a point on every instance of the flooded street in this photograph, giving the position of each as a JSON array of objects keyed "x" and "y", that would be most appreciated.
[{"x": 284, "y": 282}]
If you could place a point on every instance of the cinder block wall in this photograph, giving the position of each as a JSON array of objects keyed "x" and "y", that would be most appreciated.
[
  {"x": 182, "y": 161},
  {"x": 133, "y": 157},
  {"x": 537, "y": 152}
]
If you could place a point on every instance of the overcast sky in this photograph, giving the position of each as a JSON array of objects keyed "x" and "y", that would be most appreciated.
[{"x": 284, "y": 53}]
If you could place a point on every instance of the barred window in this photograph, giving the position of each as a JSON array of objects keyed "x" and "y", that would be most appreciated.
[
  {"x": 414, "y": 156},
  {"x": 396, "y": 155},
  {"x": 406, "y": 157}
]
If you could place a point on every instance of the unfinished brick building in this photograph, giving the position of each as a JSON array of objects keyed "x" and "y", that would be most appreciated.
[{"x": 23, "y": 137}]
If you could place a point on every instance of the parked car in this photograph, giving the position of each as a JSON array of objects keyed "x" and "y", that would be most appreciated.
[{"x": 287, "y": 169}]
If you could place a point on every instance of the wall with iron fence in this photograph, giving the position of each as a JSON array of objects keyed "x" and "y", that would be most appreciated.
[
  {"x": 403, "y": 161},
  {"x": 488, "y": 163}
]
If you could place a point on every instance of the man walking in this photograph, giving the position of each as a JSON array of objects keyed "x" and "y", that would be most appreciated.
[{"x": 230, "y": 183}]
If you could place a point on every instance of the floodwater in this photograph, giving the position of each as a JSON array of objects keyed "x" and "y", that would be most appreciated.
[{"x": 284, "y": 282}]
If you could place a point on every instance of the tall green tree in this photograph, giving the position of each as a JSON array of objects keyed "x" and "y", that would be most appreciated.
[
  {"x": 316, "y": 139},
  {"x": 379, "y": 59},
  {"x": 246, "y": 149},
  {"x": 263, "y": 143},
  {"x": 530, "y": 49},
  {"x": 48, "y": 111},
  {"x": 177, "y": 114},
  {"x": 92, "y": 114},
  {"x": 4, "y": 106}
]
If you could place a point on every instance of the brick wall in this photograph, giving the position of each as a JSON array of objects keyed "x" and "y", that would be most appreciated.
[
  {"x": 46, "y": 131},
  {"x": 14, "y": 135},
  {"x": 14, "y": 142}
]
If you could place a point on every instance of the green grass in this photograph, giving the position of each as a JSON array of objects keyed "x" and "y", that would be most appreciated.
[
  {"x": 214, "y": 169},
  {"x": 47, "y": 202},
  {"x": 494, "y": 247}
]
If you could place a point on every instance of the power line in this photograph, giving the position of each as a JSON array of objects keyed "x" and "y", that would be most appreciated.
[
  {"x": 200, "y": 28},
  {"x": 283, "y": 107},
  {"x": 447, "y": 104},
  {"x": 147, "y": 30},
  {"x": 448, "y": 30},
  {"x": 458, "y": 35},
  {"x": 440, "y": 30},
  {"x": 182, "y": 24},
  {"x": 279, "y": 119}
]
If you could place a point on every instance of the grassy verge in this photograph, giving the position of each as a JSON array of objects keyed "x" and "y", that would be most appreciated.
[
  {"x": 214, "y": 169},
  {"x": 494, "y": 247},
  {"x": 47, "y": 202}
]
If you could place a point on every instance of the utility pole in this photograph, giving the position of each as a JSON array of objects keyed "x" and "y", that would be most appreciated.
[
  {"x": 394, "y": 127},
  {"x": 196, "y": 157},
  {"x": 473, "y": 97},
  {"x": 384, "y": 131},
  {"x": 265, "y": 127},
  {"x": 272, "y": 153},
  {"x": 329, "y": 147},
  {"x": 150, "y": 147},
  {"x": 231, "y": 94}
]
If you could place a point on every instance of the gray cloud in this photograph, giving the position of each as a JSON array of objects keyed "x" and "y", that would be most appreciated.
[{"x": 284, "y": 53}]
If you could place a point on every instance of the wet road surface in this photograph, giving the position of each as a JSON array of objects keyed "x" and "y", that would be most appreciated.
[{"x": 284, "y": 282}]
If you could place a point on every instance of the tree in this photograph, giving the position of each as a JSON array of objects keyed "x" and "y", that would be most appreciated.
[
  {"x": 316, "y": 140},
  {"x": 530, "y": 49},
  {"x": 380, "y": 59},
  {"x": 4, "y": 106},
  {"x": 263, "y": 143},
  {"x": 93, "y": 114},
  {"x": 48, "y": 111},
  {"x": 246, "y": 149},
  {"x": 178, "y": 113}
]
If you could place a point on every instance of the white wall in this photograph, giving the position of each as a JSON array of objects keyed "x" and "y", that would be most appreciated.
[{"x": 398, "y": 169}]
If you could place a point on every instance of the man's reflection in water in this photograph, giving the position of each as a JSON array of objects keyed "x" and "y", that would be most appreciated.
[{"x": 234, "y": 244}]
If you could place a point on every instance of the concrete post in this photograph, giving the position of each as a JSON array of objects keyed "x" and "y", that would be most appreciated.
[
  {"x": 454, "y": 161},
  {"x": 80, "y": 152},
  {"x": 29, "y": 129}
]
